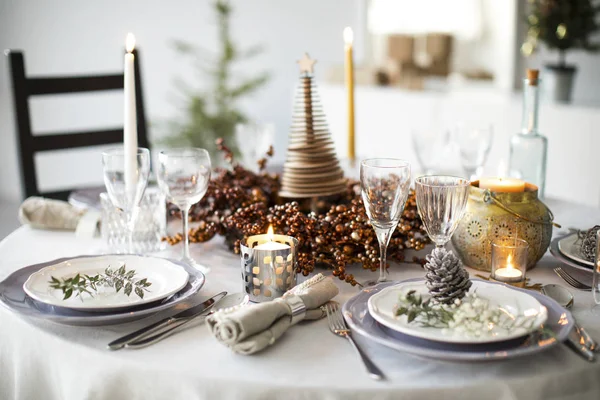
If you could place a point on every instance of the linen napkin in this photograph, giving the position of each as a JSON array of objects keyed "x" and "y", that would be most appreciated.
[
  {"x": 250, "y": 328},
  {"x": 41, "y": 213}
]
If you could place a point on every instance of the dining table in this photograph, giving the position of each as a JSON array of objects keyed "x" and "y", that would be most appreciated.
[{"x": 40, "y": 359}]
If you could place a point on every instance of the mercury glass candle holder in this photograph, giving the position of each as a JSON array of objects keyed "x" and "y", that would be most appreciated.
[
  {"x": 268, "y": 266},
  {"x": 509, "y": 260},
  {"x": 149, "y": 228}
]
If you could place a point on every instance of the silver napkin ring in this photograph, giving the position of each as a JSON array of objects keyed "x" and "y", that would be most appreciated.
[{"x": 298, "y": 308}]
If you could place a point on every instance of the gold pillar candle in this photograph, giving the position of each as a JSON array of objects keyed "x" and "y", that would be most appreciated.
[
  {"x": 349, "y": 64},
  {"x": 502, "y": 185}
]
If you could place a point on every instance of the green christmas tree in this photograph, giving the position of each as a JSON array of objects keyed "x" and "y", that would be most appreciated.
[
  {"x": 211, "y": 113},
  {"x": 562, "y": 25}
]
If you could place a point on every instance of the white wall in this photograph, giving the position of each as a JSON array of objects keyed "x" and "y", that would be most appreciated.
[
  {"x": 74, "y": 37},
  {"x": 386, "y": 116}
]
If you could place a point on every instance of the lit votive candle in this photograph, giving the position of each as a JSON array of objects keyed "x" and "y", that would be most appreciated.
[
  {"x": 502, "y": 185},
  {"x": 509, "y": 260},
  {"x": 268, "y": 265}
]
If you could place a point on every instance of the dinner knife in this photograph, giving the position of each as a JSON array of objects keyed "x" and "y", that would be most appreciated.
[
  {"x": 228, "y": 301},
  {"x": 184, "y": 315}
]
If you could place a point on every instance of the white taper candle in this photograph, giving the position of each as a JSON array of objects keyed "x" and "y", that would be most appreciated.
[{"x": 130, "y": 141}]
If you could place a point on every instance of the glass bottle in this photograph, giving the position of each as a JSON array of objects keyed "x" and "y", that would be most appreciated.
[{"x": 528, "y": 149}]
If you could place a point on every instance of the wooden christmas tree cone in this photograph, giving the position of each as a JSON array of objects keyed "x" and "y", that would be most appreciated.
[{"x": 311, "y": 168}]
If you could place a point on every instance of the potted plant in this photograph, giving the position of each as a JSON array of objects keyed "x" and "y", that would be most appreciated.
[
  {"x": 212, "y": 112},
  {"x": 561, "y": 25}
]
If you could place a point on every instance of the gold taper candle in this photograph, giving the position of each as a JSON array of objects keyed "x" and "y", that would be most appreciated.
[{"x": 348, "y": 39}]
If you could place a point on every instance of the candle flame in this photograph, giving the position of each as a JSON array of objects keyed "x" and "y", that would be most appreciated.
[
  {"x": 270, "y": 233},
  {"x": 130, "y": 42},
  {"x": 348, "y": 35},
  {"x": 509, "y": 262}
]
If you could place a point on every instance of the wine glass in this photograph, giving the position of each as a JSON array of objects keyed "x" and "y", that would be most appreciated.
[
  {"x": 430, "y": 146},
  {"x": 596, "y": 278},
  {"x": 254, "y": 140},
  {"x": 183, "y": 176},
  {"x": 474, "y": 144},
  {"x": 385, "y": 183},
  {"x": 441, "y": 201},
  {"x": 126, "y": 178}
]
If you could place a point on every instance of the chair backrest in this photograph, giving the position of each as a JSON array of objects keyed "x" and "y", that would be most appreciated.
[{"x": 24, "y": 87}]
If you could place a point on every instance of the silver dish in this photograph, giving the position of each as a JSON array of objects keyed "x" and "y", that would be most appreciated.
[
  {"x": 14, "y": 298},
  {"x": 556, "y": 330}
]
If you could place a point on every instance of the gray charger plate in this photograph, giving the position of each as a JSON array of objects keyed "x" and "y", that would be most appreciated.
[
  {"x": 15, "y": 299},
  {"x": 559, "y": 323}
]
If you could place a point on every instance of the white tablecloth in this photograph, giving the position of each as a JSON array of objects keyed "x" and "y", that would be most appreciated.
[{"x": 42, "y": 360}]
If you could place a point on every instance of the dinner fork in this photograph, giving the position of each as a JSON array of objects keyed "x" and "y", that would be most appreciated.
[
  {"x": 338, "y": 327},
  {"x": 570, "y": 280}
]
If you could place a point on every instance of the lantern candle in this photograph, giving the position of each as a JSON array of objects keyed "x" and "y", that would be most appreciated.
[
  {"x": 502, "y": 185},
  {"x": 349, "y": 39},
  {"x": 509, "y": 260},
  {"x": 130, "y": 142},
  {"x": 268, "y": 265}
]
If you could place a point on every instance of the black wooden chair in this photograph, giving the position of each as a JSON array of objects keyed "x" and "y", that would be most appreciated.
[{"x": 28, "y": 144}]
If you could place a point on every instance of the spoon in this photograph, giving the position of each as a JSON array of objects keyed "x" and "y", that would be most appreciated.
[
  {"x": 565, "y": 298},
  {"x": 558, "y": 293}
]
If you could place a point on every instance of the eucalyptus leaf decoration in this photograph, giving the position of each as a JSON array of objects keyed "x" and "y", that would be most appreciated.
[
  {"x": 426, "y": 313},
  {"x": 119, "y": 279}
]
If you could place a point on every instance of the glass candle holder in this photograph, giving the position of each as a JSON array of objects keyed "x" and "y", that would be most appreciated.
[
  {"x": 509, "y": 260},
  {"x": 268, "y": 266},
  {"x": 149, "y": 229}
]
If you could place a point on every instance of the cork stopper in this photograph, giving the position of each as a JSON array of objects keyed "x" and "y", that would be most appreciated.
[{"x": 532, "y": 76}]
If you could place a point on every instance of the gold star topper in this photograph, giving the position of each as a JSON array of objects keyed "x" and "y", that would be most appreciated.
[{"x": 306, "y": 64}]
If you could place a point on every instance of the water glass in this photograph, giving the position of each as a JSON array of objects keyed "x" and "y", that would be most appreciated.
[
  {"x": 125, "y": 178},
  {"x": 441, "y": 201},
  {"x": 385, "y": 183},
  {"x": 149, "y": 228},
  {"x": 183, "y": 176},
  {"x": 474, "y": 144}
]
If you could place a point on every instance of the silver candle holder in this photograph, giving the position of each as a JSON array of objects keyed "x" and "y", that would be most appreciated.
[{"x": 268, "y": 266}]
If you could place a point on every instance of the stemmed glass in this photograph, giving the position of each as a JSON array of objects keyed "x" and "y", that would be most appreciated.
[
  {"x": 429, "y": 146},
  {"x": 126, "y": 179},
  {"x": 596, "y": 278},
  {"x": 253, "y": 140},
  {"x": 441, "y": 201},
  {"x": 183, "y": 176},
  {"x": 474, "y": 144},
  {"x": 385, "y": 183}
]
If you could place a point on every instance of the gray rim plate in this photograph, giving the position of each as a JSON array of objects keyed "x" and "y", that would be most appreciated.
[
  {"x": 15, "y": 299},
  {"x": 360, "y": 321}
]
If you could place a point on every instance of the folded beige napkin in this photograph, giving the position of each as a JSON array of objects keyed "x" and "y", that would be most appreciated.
[
  {"x": 250, "y": 328},
  {"x": 41, "y": 213}
]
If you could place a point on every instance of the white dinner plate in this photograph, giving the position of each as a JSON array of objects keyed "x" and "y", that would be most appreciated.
[
  {"x": 568, "y": 247},
  {"x": 166, "y": 277},
  {"x": 382, "y": 308}
]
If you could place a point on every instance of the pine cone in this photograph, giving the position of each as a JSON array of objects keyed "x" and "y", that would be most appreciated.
[
  {"x": 446, "y": 278},
  {"x": 588, "y": 243}
]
